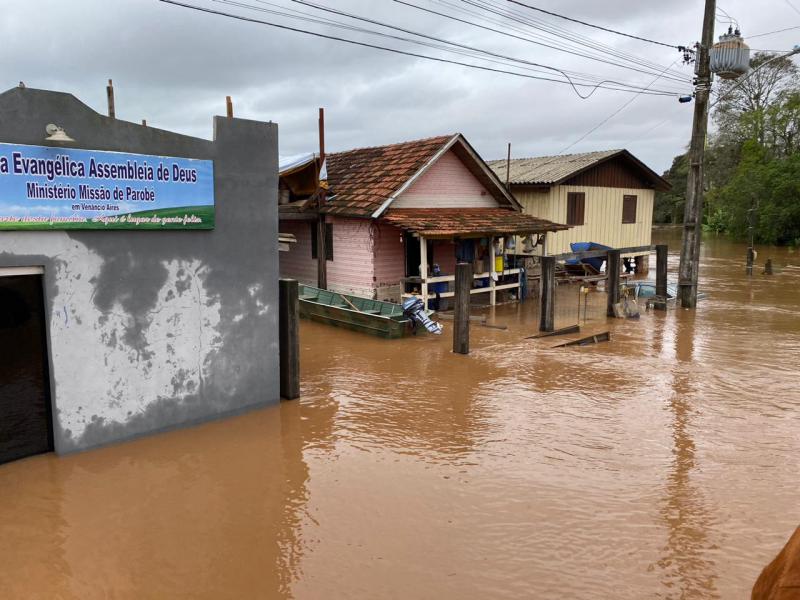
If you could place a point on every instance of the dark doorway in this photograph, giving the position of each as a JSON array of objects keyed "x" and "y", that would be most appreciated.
[
  {"x": 25, "y": 414},
  {"x": 413, "y": 255}
]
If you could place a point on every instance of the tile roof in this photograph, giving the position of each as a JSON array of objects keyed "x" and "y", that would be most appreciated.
[
  {"x": 361, "y": 180},
  {"x": 467, "y": 222},
  {"x": 548, "y": 169}
]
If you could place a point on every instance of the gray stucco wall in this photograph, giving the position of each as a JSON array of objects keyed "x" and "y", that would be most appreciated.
[{"x": 149, "y": 330}]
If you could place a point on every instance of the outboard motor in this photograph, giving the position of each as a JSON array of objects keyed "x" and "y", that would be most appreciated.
[{"x": 415, "y": 310}]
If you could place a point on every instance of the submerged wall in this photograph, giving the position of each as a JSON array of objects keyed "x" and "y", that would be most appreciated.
[{"x": 149, "y": 330}]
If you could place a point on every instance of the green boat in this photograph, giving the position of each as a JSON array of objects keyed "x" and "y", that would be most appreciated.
[{"x": 383, "y": 319}]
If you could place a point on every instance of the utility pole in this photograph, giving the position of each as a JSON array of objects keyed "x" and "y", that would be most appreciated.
[{"x": 693, "y": 213}]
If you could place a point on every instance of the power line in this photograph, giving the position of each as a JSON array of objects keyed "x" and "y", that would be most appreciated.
[
  {"x": 448, "y": 42},
  {"x": 601, "y": 28},
  {"x": 611, "y": 116},
  {"x": 794, "y": 8},
  {"x": 559, "y": 33},
  {"x": 773, "y": 32},
  {"x": 398, "y": 51},
  {"x": 522, "y": 37}
]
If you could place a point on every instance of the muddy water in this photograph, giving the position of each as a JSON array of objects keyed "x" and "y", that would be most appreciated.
[{"x": 664, "y": 464}]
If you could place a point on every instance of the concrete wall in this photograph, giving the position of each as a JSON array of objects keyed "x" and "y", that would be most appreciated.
[
  {"x": 602, "y": 218},
  {"x": 150, "y": 330}
]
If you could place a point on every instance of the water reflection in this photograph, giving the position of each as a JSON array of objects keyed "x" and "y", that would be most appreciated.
[{"x": 687, "y": 570}]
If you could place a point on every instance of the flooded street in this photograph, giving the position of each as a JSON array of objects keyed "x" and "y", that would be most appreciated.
[{"x": 664, "y": 464}]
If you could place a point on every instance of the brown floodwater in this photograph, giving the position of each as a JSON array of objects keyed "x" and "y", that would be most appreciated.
[{"x": 663, "y": 464}]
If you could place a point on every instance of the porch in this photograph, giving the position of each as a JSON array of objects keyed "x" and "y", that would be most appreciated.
[{"x": 482, "y": 236}]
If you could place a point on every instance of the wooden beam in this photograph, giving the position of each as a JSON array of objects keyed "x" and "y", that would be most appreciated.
[
  {"x": 547, "y": 301},
  {"x": 322, "y": 249},
  {"x": 612, "y": 280},
  {"x": 492, "y": 283},
  {"x": 289, "y": 338},
  {"x": 461, "y": 308},
  {"x": 602, "y": 253},
  {"x": 423, "y": 269},
  {"x": 562, "y": 331},
  {"x": 661, "y": 277},
  {"x": 229, "y": 107}
]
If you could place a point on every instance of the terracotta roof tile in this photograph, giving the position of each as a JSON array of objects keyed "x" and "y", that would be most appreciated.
[
  {"x": 361, "y": 180},
  {"x": 467, "y": 222}
]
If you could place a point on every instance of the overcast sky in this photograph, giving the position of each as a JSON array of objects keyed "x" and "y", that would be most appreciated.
[{"x": 174, "y": 67}]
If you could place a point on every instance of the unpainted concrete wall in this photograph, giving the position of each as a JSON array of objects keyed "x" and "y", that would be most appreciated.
[{"x": 149, "y": 330}]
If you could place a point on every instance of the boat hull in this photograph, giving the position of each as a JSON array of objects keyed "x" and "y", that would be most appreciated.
[{"x": 322, "y": 309}]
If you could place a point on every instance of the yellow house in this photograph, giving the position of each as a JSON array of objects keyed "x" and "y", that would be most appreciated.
[{"x": 605, "y": 197}]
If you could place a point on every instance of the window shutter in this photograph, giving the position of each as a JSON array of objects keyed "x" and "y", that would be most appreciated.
[
  {"x": 576, "y": 208},
  {"x": 629, "y": 209}
]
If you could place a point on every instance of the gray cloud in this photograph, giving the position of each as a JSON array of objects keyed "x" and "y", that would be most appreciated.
[{"x": 175, "y": 67}]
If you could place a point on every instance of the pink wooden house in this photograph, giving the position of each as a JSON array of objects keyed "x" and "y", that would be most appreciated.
[{"x": 394, "y": 211}]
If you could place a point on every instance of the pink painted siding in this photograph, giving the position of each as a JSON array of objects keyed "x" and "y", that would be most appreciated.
[
  {"x": 390, "y": 255},
  {"x": 297, "y": 262},
  {"x": 447, "y": 183},
  {"x": 352, "y": 267}
]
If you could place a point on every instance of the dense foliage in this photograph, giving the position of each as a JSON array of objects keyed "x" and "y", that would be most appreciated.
[{"x": 752, "y": 169}]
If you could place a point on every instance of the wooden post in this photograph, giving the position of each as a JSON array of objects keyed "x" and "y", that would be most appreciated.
[
  {"x": 288, "y": 313},
  {"x": 461, "y": 309},
  {"x": 612, "y": 280},
  {"x": 322, "y": 250},
  {"x": 768, "y": 267},
  {"x": 547, "y": 320},
  {"x": 423, "y": 269},
  {"x": 492, "y": 284},
  {"x": 110, "y": 95},
  {"x": 661, "y": 277},
  {"x": 508, "y": 168},
  {"x": 229, "y": 107}
]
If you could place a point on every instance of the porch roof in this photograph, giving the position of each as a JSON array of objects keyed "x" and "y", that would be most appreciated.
[{"x": 467, "y": 222}]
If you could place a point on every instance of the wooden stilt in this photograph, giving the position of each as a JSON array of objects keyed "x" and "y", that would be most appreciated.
[
  {"x": 288, "y": 314},
  {"x": 661, "y": 277},
  {"x": 612, "y": 280},
  {"x": 547, "y": 317},
  {"x": 462, "y": 302}
]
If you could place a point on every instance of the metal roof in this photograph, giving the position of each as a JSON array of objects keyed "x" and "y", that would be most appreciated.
[
  {"x": 552, "y": 170},
  {"x": 548, "y": 169}
]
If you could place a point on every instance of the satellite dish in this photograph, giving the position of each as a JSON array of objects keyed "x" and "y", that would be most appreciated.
[{"x": 56, "y": 134}]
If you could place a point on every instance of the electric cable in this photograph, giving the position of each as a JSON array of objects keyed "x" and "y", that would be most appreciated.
[
  {"x": 398, "y": 51},
  {"x": 600, "y": 27}
]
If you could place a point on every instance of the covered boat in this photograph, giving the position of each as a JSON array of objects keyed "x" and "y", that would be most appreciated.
[{"x": 591, "y": 266}]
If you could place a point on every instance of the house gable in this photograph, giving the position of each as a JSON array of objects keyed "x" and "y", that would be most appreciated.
[
  {"x": 447, "y": 183},
  {"x": 617, "y": 172}
]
